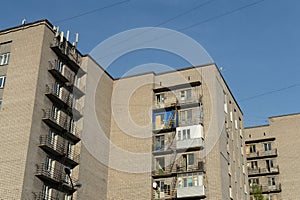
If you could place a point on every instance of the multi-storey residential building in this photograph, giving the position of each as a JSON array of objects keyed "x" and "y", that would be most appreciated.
[
  {"x": 272, "y": 152},
  {"x": 172, "y": 135},
  {"x": 40, "y": 112}
]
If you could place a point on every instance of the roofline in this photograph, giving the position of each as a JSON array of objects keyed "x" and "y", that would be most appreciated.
[
  {"x": 285, "y": 115},
  {"x": 229, "y": 89},
  {"x": 90, "y": 57},
  {"x": 277, "y": 116},
  {"x": 16, "y": 28},
  {"x": 258, "y": 126}
]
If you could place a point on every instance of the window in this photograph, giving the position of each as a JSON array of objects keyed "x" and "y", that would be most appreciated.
[
  {"x": 253, "y": 164},
  {"x": 52, "y": 139},
  {"x": 268, "y": 146},
  {"x": 190, "y": 180},
  {"x": 273, "y": 197},
  {"x": 2, "y": 81},
  {"x": 178, "y": 135},
  {"x": 160, "y": 98},
  {"x": 190, "y": 159},
  {"x": 253, "y": 181},
  {"x": 252, "y": 148},
  {"x": 0, "y": 103},
  {"x": 47, "y": 193},
  {"x": 186, "y": 115},
  {"x": 184, "y": 134},
  {"x": 186, "y": 94},
  {"x": 160, "y": 164},
  {"x": 4, "y": 58},
  {"x": 271, "y": 181},
  {"x": 269, "y": 164},
  {"x": 159, "y": 142}
]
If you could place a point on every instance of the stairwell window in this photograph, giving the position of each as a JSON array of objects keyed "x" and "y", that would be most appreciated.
[
  {"x": 0, "y": 103},
  {"x": 2, "y": 81},
  {"x": 4, "y": 59}
]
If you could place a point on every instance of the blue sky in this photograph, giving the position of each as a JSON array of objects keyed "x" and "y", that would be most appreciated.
[{"x": 258, "y": 47}]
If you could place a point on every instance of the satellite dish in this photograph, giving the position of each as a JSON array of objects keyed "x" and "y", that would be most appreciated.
[{"x": 155, "y": 186}]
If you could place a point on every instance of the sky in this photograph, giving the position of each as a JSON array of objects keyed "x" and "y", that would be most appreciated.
[{"x": 256, "y": 42}]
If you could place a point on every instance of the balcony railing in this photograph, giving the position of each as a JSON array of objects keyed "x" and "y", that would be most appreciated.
[
  {"x": 262, "y": 171},
  {"x": 50, "y": 145},
  {"x": 191, "y": 100},
  {"x": 61, "y": 72},
  {"x": 55, "y": 176},
  {"x": 189, "y": 143},
  {"x": 62, "y": 96},
  {"x": 58, "y": 148},
  {"x": 180, "y": 167},
  {"x": 195, "y": 191},
  {"x": 43, "y": 196},
  {"x": 190, "y": 122},
  {"x": 256, "y": 154},
  {"x": 62, "y": 124},
  {"x": 266, "y": 189}
]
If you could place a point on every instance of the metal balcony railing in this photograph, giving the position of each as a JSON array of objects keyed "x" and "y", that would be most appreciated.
[
  {"x": 266, "y": 188},
  {"x": 62, "y": 124},
  {"x": 62, "y": 73},
  {"x": 60, "y": 95},
  {"x": 60, "y": 149},
  {"x": 258, "y": 171},
  {"x": 43, "y": 196},
  {"x": 272, "y": 152},
  {"x": 55, "y": 176},
  {"x": 191, "y": 100},
  {"x": 190, "y": 122},
  {"x": 49, "y": 144}
]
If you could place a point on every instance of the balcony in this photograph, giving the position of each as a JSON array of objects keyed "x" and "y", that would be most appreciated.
[
  {"x": 60, "y": 96},
  {"x": 55, "y": 177},
  {"x": 61, "y": 73},
  {"x": 68, "y": 53},
  {"x": 62, "y": 125},
  {"x": 52, "y": 176},
  {"x": 50, "y": 146},
  {"x": 263, "y": 171},
  {"x": 262, "y": 154},
  {"x": 164, "y": 143},
  {"x": 58, "y": 149},
  {"x": 190, "y": 122},
  {"x": 267, "y": 189},
  {"x": 182, "y": 167},
  {"x": 195, "y": 191},
  {"x": 189, "y": 143},
  {"x": 194, "y": 99}
]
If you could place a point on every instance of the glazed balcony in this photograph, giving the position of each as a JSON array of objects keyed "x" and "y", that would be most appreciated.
[
  {"x": 62, "y": 125},
  {"x": 191, "y": 143},
  {"x": 262, "y": 154},
  {"x": 61, "y": 73},
  {"x": 263, "y": 171},
  {"x": 190, "y": 192}
]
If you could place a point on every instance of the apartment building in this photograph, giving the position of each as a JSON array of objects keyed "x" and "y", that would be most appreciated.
[
  {"x": 272, "y": 157},
  {"x": 172, "y": 135},
  {"x": 41, "y": 118}
]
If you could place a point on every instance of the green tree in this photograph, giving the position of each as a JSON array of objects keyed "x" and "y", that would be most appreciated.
[{"x": 256, "y": 192}]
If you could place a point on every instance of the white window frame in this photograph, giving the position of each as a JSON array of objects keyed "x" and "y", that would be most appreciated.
[
  {"x": 2, "y": 81},
  {"x": 4, "y": 58}
]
